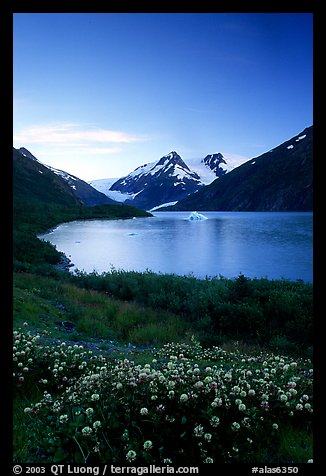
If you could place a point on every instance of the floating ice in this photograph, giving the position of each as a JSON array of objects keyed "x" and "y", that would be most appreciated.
[{"x": 196, "y": 216}]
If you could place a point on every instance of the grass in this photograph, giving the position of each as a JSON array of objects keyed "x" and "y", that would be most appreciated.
[
  {"x": 21, "y": 422},
  {"x": 45, "y": 302},
  {"x": 258, "y": 311},
  {"x": 295, "y": 444}
]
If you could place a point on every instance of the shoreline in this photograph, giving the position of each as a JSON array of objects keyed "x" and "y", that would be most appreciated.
[{"x": 64, "y": 263}]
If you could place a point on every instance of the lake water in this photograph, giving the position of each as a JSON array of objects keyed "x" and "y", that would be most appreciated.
[{"x": 257, "y": 244}]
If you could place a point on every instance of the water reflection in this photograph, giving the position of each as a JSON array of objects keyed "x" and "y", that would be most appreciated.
[{"x": 273, "y": 245}]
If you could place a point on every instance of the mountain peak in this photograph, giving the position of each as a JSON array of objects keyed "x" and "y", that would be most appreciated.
[
  {"x": 216, "y": 158},
  {"x": 174, "y": 159},
  {"x": 167, "y": 180},
  {"x": 213, "y": 162},
  {"x": 27, "y": 153}
]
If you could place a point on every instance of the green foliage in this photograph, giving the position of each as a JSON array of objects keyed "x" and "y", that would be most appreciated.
[
  {"x": 295, "y": 444},
  {"x": 43, "y": 302},
  {"x": 253, "y": 310}
]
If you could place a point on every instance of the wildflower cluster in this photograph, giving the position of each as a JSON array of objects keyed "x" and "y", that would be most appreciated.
[
  {"x": 52, "y": 366},
  {"x": 189, "y": 405},
  {"x": 22, "y": 355}
]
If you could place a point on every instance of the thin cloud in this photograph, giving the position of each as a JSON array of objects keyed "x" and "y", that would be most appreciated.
[
  {"x": 83, "y": 149},
  {"x": 69, "y": 134}
]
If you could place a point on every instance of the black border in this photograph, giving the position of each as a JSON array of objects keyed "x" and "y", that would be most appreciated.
[{"x": 8, "y": 9}]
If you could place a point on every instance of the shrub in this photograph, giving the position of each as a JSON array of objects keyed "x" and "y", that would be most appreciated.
[{"x": 255, "y": 310}]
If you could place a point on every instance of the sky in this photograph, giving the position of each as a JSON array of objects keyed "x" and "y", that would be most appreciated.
[{"x": 99, "y": 94}]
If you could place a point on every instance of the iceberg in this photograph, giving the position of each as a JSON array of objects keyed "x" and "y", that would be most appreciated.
[{"x": 196, "y": 216}]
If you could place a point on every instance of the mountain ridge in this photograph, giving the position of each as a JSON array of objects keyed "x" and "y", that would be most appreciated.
[
  {"x": 83, "y": 191},
  {"x": 278, "y": 180},
  {"x": 34, "y": 180}
]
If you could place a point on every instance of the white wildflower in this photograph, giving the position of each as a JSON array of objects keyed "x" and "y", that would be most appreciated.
[
  {"x": 148, "y": 445},
  {"x": 131, "y": 455}
]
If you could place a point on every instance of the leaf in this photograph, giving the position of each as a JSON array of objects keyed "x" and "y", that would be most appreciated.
[
  {"x": 79, "y": 458},
  {"x": 59, "y": 455}
]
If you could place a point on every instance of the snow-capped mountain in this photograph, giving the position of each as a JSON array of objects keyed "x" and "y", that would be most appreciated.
[
  {"x": 159, "y": 182},
  {"x": 166, "y": 180},
  {"x": 281, "y": 179},
  {"x": 87, "y": 194}
]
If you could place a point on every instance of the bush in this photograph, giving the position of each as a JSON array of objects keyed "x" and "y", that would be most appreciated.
[
  {"x": 253, "y": 310},
  {"x": 281, "y": 344}
]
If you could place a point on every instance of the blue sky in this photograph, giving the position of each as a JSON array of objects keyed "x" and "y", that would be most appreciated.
[{"x": 99, "y": 94}]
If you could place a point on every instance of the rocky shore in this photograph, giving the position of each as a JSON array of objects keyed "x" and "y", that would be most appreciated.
[{"x": 64, "y": 263}]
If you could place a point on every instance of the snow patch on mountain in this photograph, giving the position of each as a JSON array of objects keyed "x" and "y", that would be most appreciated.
[
  {"x": 215, "y": 165},
  {"x": 169, "y": 171},
  {"x": 103, "y": 184},
  {"x": 61, "y": 173},
  {"x": 87, "y": 194},
  {"x": 168, "y": 204},
  {"x": 67, "y": 177},
  {"x": 206, "y": 175},
  {"x": 171, "y": 164},
  {"x": 233, "y": 161},
  {"x": 28, "y": 154}
]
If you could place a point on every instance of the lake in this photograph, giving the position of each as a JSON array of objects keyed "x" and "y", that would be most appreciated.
[{"x": 274, "y": 245}]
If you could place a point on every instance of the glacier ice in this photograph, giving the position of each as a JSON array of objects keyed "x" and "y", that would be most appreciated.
[{"x": 196, "y": 216}]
